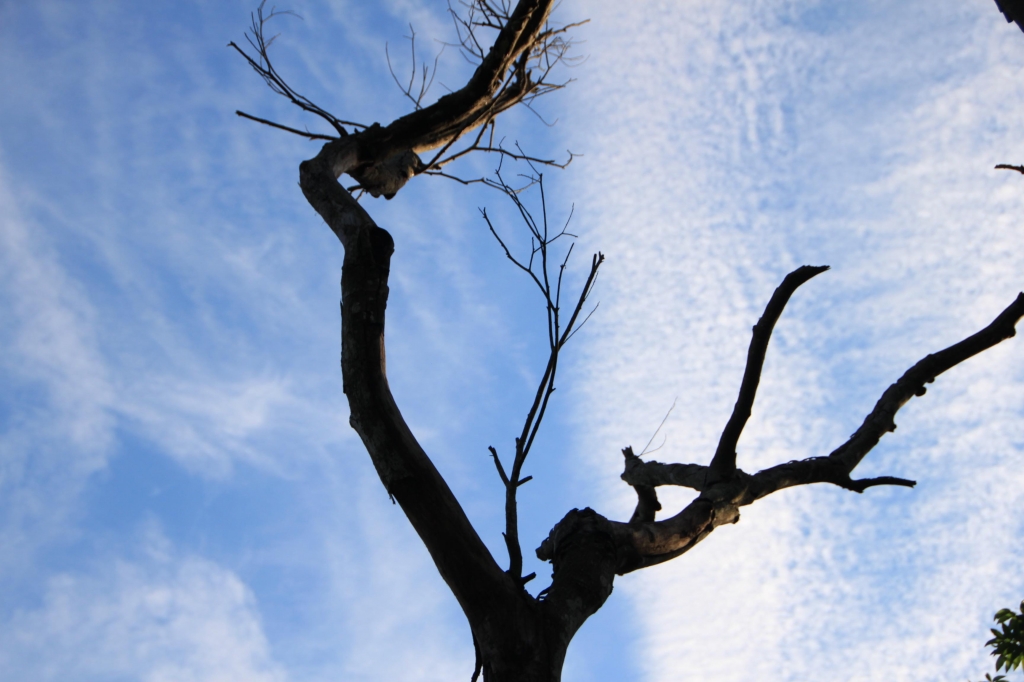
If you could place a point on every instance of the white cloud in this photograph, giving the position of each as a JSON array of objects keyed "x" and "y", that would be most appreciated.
[
  {"x": 163, "y": 619},
  {"x": 207, "y": 427},
  {"x": 736, "y": 142},
  {"x": 207, "y": 305},
  {"x": 49, "y": 335}
]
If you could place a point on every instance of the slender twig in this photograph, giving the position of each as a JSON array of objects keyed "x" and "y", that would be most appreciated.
[
  {"x": 537, "y": 267},
  {"x": 438, "y": 162},
  {"x": 425, "y": 84},
  {"x": 655, "y": 434},
  {"x": 304, "y": 133},
  {"x": 262, "y": 65},
  {"x": 435, "y": 163},
  {"x": 583, "y": 322},
  {"x": 497, "y": 463}
]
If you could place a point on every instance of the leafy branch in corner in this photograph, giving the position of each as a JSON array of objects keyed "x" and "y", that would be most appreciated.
[{"x": 1007, "y": 642}]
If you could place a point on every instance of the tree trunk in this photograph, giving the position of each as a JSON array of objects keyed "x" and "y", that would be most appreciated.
[{"x": 519, "y": 637}]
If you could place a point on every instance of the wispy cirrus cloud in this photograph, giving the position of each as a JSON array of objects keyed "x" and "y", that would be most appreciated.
[{"x": 163, "y": 617}]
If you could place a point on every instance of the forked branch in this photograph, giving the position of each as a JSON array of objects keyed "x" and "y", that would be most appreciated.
[
  {"x": 426, "y": 74},
  {"x": 741, "y": 488},
  {"x": 723, "y": 464},
  {"x": 261, "y": 64},
  {"x": 538, "y": 266},
  {"x": 838, "y": 466},
  {"x": 644, "y": 542}
]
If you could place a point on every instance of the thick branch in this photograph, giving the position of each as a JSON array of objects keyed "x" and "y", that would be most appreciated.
[
  {"x": 407, "y": 473},
  {"x": 587, "y": 551},
  {"x": 811, "y": 470},
  {"x": 637, "y": 545},
  {"x": 881, "y": 419},
  {"x": 651, "y": 543},
  {"x": 837, "y": 467},
  {"x": 723, "y": 464},
  {"x": 481, "y": 99},
  {"x": 585, "y": 555}
]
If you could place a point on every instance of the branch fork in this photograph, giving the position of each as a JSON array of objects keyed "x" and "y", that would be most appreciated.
[{"x": 725, "y": 484}]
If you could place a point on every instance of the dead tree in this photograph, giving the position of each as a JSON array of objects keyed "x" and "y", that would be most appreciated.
[{"x": 519, "y": 637}]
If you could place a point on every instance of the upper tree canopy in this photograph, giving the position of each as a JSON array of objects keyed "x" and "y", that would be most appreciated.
[{"x": 516, "y": 635}]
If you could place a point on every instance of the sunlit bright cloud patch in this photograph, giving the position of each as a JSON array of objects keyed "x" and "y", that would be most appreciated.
[{"x": 737, "y": 143}]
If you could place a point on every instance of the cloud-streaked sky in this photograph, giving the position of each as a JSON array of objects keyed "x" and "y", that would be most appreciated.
[{"x": 181, "y": 497}]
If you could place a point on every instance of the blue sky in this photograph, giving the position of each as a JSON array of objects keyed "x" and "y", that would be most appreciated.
[{"x": 181, "y": 497}]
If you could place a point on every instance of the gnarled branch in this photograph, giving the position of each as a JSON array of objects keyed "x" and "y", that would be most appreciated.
[
  {"x": 647, "y": 504},
  {"x": 645, "y": 542},
  {"x": 501, "y": 613}
]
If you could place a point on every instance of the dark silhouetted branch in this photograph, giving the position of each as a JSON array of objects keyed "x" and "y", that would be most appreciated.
[
  {"x": 647, "y": 504},
  {"x": 837, "y": 467},
  {"x": 645, "y": 542},
  {"x": 723, "y": 464},
  {"x": 912, "y": 383},
  {"x": 426, "y": 74},
  {"x": 641, "y": 473},
  {"x": 1013, "y": 10},
  {"x": 262, "y": 65},
  {"x": 538, "y": 266},
  {"x": 303, "y": 133},
  {"x": 516, "y": 69}
]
